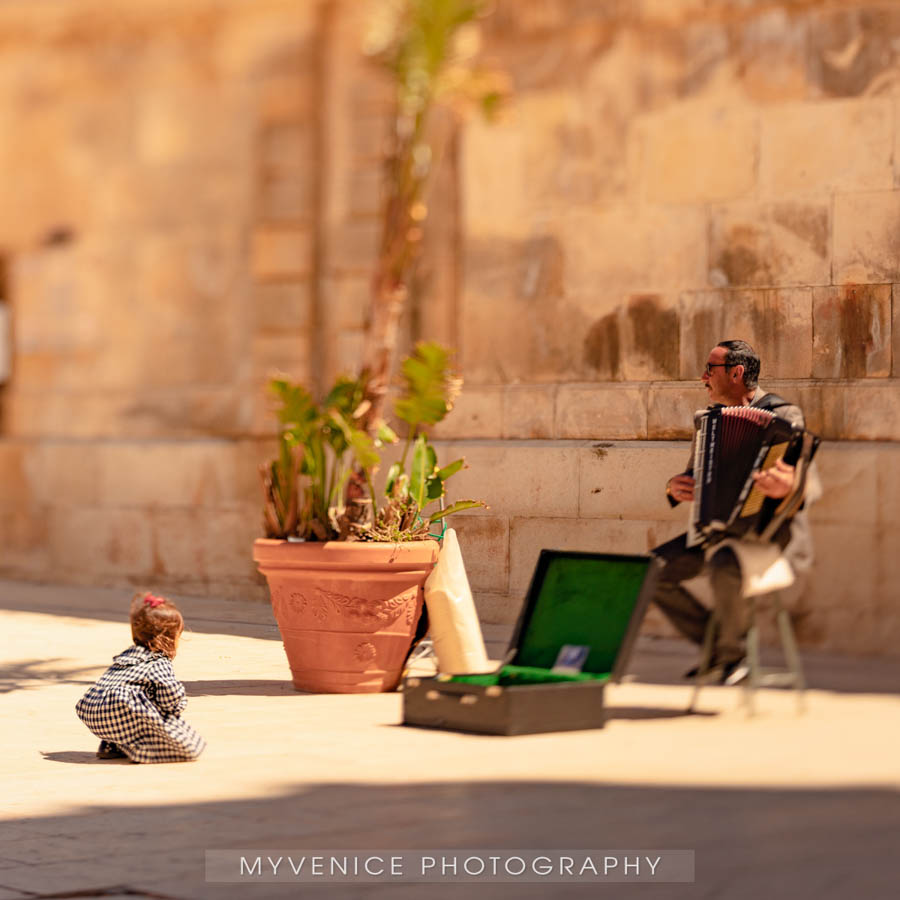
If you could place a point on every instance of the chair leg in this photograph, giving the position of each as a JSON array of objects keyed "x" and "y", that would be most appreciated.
[
  {"x": 705, "y": 659},
  {"x": 748, "y": 694},
  {"x": 791, "y": 654}
]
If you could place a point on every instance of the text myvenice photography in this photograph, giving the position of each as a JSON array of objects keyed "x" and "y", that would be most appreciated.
[{"x": 449, "y": 865}]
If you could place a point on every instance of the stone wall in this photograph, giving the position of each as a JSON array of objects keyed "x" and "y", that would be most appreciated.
[{"x": 196, "y": 205}]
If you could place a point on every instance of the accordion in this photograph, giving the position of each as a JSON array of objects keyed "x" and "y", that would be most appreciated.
[{"x": 732, "y": 444}]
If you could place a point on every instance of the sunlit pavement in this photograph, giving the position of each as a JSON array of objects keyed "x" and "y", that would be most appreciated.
[{"x": 778, "y": 804}]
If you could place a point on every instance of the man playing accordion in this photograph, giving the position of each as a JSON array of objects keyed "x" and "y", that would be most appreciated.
[{"x": 730, "y": 379}]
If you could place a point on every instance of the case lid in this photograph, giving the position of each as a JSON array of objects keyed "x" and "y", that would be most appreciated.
[{"x": 591, "y": 599}]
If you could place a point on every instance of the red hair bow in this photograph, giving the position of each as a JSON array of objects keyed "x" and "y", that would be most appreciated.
[{"x": 152, "y": 601}]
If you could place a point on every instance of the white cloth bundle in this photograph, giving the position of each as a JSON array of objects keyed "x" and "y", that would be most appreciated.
[{"x": 453, "y": 622}]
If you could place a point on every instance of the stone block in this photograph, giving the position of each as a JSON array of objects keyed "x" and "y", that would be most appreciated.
[
  {"x": 633, "y": 249},
  {"x": 636, "y": 341},
  {"x": 671, "y": 408},
  {"x": 286, "y": 198},
  {"x": 283, "y": 99},
  {"x": 364, "y": 190},
  {"x": 279, "y": 307},
  {"x": 476, "y": 413},
  {"x": 346, "y": 301},
  {"x": 496, "y": 609},
  {"x": 814, "y": 148},
  {"x": 177, "y": 537},
  {"x": 601, "y": 412},
  {"x": 353, "y": 248},
  {"x": 287, "y": 148},
  {"x": 24, "y": 543},
  {"x": 845, "y": 572},
  {"x": 627, "y": 481},
  {"x": 895, "y": 332},
  {"x": 865, "y": 237},
  {"x": 769, "y": 49},
  {"x": 484, "y": 541},
  {"x": 529, "y": 411},
  {"x": 348, "y": 348},
  {"x": 17, "y": 493},
  {"x": 281, "y": 354},
  {"x": 852, "y": 331},
  {"x": 770, "y": 244},
  {"x": 697, "y": 152},
  {"x": 515, "y": 290},
  {"x": 281, "y": 253},
  {"x": 65, "y": 473},
  {"x": 85, "y": 543},
  {"x": 855, "y": 485},
  {"x": 227, "y": 539},
  {"x": 528, "y": 536},
  {"x": 852, "y": 52},
  {"x": 515, "y": 479},
  {"x": 169, "y": 474},
  {"x": 867, "y": 411},
  {"x": 777, "y": 323}
]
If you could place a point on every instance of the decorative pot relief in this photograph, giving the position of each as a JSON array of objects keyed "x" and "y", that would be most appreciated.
[
  {"x": 372, "y": 611},
  {"x": 364, "y": 652}
]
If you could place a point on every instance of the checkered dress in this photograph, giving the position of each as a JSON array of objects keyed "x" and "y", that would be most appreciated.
[{"x": 137, "y": 704}]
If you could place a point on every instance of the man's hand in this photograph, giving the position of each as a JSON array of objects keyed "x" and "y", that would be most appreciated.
[
  {"x": 777, "y": 481},
  {"x": 681, "y": 488}
]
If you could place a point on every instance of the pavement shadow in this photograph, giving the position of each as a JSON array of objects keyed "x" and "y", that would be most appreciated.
[
  {"x": 651, "y": 712},
  {"x": 823, "y": 844},
  {"x": 81, "y": 757},
  {"x": 29, "y": 674},
  {"x": 246, "y": 688}
]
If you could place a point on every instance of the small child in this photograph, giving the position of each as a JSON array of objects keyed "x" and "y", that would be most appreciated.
[{"x": 135, "y": 708}]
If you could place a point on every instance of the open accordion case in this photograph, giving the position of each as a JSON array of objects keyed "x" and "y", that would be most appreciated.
[{"x": 732, "y": 444}]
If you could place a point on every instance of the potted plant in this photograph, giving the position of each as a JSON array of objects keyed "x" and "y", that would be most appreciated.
[
  {"x": 346, "y": 567},
  {"x": 347, "y": 591}
]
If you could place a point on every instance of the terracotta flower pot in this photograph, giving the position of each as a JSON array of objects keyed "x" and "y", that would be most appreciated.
[{"x": 347, "y": 612}]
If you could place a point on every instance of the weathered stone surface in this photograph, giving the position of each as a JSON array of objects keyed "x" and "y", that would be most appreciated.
[
  {"x": 852, "y": 331},
  {"x": 634, "y": 248},
  {"x": 770, "y": 51},
  {"x": 528, "y": 536},
  {"x": 169, "y": 475},
  {"x": 858, "y": 411},
  {"x": 628, "y": 481},
  {"x": 601, "y": 412},
  {"x": 770, "y": 244},
  {"x": 637, "y": 341},
  {"x": 529, "y": 411},
  {"x": 866, "y": 233},
  {"x": 62, "y": 474},
  {"x": 895, "y": 332},
  {"x": 286, "y": 198},
  {"x": 281, "y": 353},
  {"x": 346, "y": 301},
  {"x": 287, "y": 149},
  {"x": 515, "y": 479},
  {"x": 281, "y": 253},
  {"x": 810, "y": 148},
  {"x": 695, "y": 152},
  {"x": 24, "y": 542},
  {"x": 476, "y": 413},
  {"x": 670, "y": 410},
  {"x": 106, "y": 542},
  {"x": 851, "y": 51},
  {"x": 777, "y": 323},
  {"x": 283, "y": 99},
  {"x": 852, "y": 477},
  {"x": 281, "y": 306},
  {"x": 353, "y": 247},
  {"x": 484, "y": 542}
]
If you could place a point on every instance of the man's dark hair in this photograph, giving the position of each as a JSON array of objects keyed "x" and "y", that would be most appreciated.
[{"x": 740, "y": 353}]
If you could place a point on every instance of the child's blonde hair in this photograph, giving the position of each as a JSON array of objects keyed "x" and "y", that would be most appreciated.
[{"x": 156, "y": 623}]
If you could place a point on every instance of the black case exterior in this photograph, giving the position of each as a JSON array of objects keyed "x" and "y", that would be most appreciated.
[{"x": 528, "y": 708}]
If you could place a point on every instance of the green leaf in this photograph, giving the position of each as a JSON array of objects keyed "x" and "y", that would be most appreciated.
[
  {"x": 459, "y": 506},
  {"x": 429, "y": 386},
  {"x": 451, "y": 469},
  {"x": 384, "y": 434},
  {"x": 424, "y": 462},
  {"x": 393, "y": 474}
]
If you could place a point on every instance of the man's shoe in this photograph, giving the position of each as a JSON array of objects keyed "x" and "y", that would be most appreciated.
[
  {"x": 109, "y": 750},
  {"x": 735, "y": 672}
]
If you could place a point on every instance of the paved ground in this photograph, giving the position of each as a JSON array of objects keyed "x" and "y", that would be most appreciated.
[{"x": 778, "y": 805}]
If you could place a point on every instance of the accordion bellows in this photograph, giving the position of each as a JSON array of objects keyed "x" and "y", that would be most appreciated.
[{"x": 733, "y": 443}]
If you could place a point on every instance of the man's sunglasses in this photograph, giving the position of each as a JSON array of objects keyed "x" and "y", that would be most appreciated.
[{"x": 711, "y": 366}]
